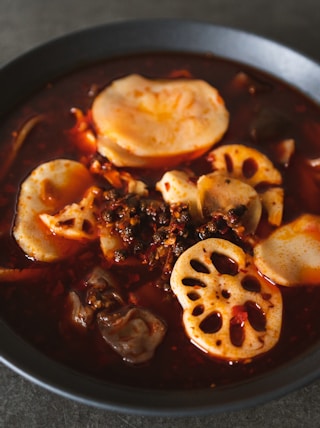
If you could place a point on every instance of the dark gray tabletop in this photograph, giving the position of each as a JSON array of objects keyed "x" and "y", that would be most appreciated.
[{"x": 26, "y": 24}]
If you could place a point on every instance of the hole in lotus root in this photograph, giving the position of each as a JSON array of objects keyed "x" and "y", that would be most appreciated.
[
  {"x": 66, "y": 223},
  {"x": 229, "y": 163},
  {"x": 193, "y": 296},
  {"x": 224, "y": 264},
  {"x": 256, "y": 316},
  {"x": 198, "y": 310},
  {"x": 251, "y": 283},
  {"x": 192, "y": 282},
  {"x": 226, "y": 294},
  {"x": 87, "y": 227},
  {"x": 237, "y": 334},
  {"x": 198, "y": 266},
  {"x": 249, "y": 167},
  {"x": 211, "y": 323}
]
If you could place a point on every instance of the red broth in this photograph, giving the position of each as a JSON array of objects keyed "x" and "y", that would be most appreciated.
[{"x": 263, "y": 112}]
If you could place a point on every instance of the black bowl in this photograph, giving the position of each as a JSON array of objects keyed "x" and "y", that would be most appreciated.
[{"x": 22, "y": 76}]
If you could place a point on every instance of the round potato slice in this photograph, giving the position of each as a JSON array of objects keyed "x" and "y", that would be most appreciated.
[
  {"x": 156, "y": 121},
  {"x": 48, "y": 188},
  {"x": 229, "y": 311},
  {"x": 291, "y": 254}
]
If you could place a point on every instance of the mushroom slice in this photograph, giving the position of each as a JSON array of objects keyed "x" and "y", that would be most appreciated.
[
  {"x": 246, "y": 164},
  {"x": 178, "y": 186},
  {"x": 48, "y": 188},
  {"x": 76, "y": 221},
  {"x": 147, "y": 121},
  {"x": 218, "y": 192},
  {"x": 229, "y": 310},
  {"x": 291, "y": 254}
]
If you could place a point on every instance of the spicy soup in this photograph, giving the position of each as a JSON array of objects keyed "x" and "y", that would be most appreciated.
[{"x": 263, "y": 114}]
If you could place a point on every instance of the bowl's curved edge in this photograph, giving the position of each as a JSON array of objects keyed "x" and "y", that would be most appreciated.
[
  {"x": 70, "y": 384},
  {"x": 66, "y": 53},
  {"x": 80, "y": 48}
]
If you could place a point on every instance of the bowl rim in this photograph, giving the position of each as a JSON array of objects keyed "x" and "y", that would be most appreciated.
[{"x": 72, "y": 51}]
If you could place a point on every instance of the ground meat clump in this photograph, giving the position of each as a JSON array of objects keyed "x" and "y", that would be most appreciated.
[{"x": 156, "y": 233}]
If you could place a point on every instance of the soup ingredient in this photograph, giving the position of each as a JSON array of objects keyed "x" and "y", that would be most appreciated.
[
  {"x": 134, "y": 332},
  {"x": 138, "y": 230},
  {"x": 49, "y": 187},
  {"x": 152, "y": 233},
  {"x": 101, "y": 293},
  {"x": 272, "y": 201},
  {"x": 229, "y": 310},
  {"x": 284, "y": 151},
  {"x": 255, "y": 169},
  {"x": 291, "y": 254},
  {"x": 145, "y": 122},
  {"x": 179, "y": 186},
  {"x": 77, "y": 221},
  {"x": 18, "y": 142},
  {"x": 218, "y": 192},
  {"x": 245, "y": 163}
]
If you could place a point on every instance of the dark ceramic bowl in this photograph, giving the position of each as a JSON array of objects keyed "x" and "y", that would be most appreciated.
[{"x": 69, "y": 53}]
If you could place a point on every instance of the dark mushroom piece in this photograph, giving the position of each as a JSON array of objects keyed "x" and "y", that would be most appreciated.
[
  {"x": 134, "y": 333},
  {"x": 103, "y": 292}
]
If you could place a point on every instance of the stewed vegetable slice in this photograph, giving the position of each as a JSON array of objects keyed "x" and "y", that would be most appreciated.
[
  {"x": 229, "y": 310},
  {"x": 48, "y": 188},
  {"x": 141, "y": 122},
  {"x": 291, "y": 254}
]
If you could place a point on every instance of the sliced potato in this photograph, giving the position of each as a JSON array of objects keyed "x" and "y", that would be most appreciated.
[
  {"x": 124, "y": 158},
  {"x": 229, "y": 311},
  {"x": 48, "y": 188},
  {"x": 291, "y": 254},
  {"x": 142, "y": 122},
  {"x": 119, "y": 156}
]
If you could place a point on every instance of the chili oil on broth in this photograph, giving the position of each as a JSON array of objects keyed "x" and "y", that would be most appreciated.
[{"x": 38, "y": 310}]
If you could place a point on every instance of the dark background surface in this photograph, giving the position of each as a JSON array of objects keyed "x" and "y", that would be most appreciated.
[{"x": 26, "y": 24}]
